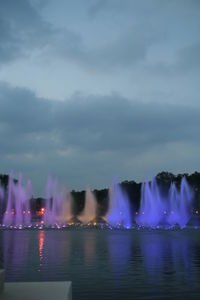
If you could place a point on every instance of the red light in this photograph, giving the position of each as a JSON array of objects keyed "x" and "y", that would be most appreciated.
[
  {"x": 42, "y": 222},
  {"x": 40, "y": 212}
]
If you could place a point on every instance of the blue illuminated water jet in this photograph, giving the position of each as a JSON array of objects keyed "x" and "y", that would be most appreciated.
[
  {"x": 119, "y": 213},
  {"x": 157, "y": 210}
]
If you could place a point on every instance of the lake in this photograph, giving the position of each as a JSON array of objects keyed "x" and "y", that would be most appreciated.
[{"x": 107, "y": 264}]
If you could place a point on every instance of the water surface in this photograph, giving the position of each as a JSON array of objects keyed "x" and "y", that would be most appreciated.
[{"x": 107, "y": 264}]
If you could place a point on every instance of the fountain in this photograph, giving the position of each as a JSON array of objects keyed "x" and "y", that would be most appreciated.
[
  {"x": 90, "y": 209},
  {"x": 152, "y": 205},
  {"x": 180, "y": 203},
  {"x": 156, "y": 210},
  {"x": 119, "y": 211},
  {"x": 17, "y": 211},
  {"x": 57, "y": 210}
]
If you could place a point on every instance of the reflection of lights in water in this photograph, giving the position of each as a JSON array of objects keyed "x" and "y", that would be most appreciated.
[
  {"x": 165, "y": 254},
  {"x": 41, "y": 246}
]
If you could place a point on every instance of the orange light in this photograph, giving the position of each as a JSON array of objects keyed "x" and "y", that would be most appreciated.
[{"x": 40, "y": 212}]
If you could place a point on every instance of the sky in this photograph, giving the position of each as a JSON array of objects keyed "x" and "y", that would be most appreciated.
[{"x": 94, "y": 89}]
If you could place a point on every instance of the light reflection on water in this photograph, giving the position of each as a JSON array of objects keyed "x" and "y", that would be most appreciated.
[
  {"x": 104, "y": 264},
  {"x": 41, "y": 237}
]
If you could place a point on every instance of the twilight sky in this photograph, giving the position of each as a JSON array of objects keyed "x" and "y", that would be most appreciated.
[{"x": 97, "y": 88}]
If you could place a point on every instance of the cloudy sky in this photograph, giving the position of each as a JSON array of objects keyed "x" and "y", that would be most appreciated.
[{"x": 97, "y": 88}]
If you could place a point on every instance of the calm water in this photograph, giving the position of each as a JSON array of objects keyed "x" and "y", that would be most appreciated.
[{"x": 105, "y": 264}]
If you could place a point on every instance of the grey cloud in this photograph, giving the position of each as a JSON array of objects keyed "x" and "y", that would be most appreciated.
[
  {"x": 126, "y": 50},
  {"x": 21, "y": 29},
  {"x": 113, "y": 123},
  {"x": 101, "y": 46},
  {"x": 93, "y": 123},
  {"x": 189, "y": 57},
  {"x": 96, "y": 7},
  {"x": 143, "y": 27},
  {"x": 22, "y": 110},
  {"x": 102, "y": 135}
]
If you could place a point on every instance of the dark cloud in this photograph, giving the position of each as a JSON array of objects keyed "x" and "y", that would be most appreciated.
[
  {"x": 174, "y": 24},
  {"x": 21, "y": 29},
  {"x": 94, "y": 123},
  {"x": 84, "y": 129},
  {"x": 88, "y": 138}
]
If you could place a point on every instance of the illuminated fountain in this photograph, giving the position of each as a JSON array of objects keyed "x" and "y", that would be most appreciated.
[
  {"x": 152, "y": 205},
  {"x": 119, "y": 211},
  {"x": 17, "y": 212},
  {"x": 157, "y": 210},
  {"x": 180, "y": 203},
  {"x": 53, "y": 203},
  {"x": 58, "y": 205},
  {"x": 90, "y": 208}
]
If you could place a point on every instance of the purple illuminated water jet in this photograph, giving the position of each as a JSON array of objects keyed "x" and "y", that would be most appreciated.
[
  {"x": 56, "y": 202},
  {"x": 17, "y": 211}
]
